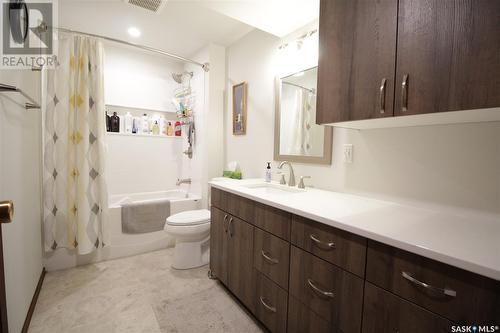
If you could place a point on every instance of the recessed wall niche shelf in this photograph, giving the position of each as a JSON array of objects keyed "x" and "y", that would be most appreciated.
[
  {"x": 144, "y": 135},
  {"x": 31, "y": 104},
  {"x": 139, "y": 109}
]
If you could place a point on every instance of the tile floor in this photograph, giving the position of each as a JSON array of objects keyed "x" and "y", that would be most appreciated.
[{"x": 137, "y": 294}]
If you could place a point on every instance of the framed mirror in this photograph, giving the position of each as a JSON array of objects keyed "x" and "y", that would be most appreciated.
[{"x": 297, "y": 138}]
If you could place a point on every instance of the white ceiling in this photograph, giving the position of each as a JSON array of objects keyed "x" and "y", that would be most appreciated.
[{"x": 185, "y": 26}]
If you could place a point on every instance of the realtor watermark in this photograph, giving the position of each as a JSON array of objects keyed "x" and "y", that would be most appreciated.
[{"x": 27, "y": 38}]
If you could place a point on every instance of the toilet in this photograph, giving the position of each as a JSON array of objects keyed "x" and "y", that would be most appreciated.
[{"x": 191, "y": 230}]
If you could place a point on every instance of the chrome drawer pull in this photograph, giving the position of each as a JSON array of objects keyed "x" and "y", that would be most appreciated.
[
  {"x": 445, "y": 291},
  {"x": 268, "y": 307},
  {"x": 229, "y": 226},
  {"x": 268, "y": 258},
  {"x": 323, "y": 245},
  {"x": 327, "y": 294},
  {"x": 224, "y": 223}
]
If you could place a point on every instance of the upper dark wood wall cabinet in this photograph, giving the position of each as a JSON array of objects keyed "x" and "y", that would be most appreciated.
[{"x": 402, "y": 57}]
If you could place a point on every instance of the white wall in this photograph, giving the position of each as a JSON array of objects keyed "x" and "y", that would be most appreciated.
[
  {"x": 455, "y": 165},
  {"x": 20, "y": 133},
  {"x": 138, "y": 79}
]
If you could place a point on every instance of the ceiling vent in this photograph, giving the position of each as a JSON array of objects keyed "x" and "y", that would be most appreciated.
[{"x": 152, "y": 5}]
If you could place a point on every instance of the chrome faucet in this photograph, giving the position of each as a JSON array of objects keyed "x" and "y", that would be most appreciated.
[
  {"x": 183, "y": 181},
  {"x": 291, "y": 179}
]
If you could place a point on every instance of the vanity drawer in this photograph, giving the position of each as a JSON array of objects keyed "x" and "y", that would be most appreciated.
[
  {"x": 386, "y": 313},
  {"x": 273, "y": 220},
  {"x": 272, "y": 257},
  {"x": 332, "y": 293},
  {"x": 336, "y": 246},
  {"x": 240, "y": 207},
  {"x": 302, "y": 320},
  {"x": 462, "y": 297},
  {"x": 270, "y": 304},
  {"x": 233, "y": 204}
]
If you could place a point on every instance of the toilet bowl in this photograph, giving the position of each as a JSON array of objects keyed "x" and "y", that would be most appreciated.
[{"x": 191, "y": 230}]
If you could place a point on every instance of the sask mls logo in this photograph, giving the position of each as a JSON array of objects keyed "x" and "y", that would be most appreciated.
[
  {"x": 475, "y": 328},
  {"x": 24, "y": 44}
]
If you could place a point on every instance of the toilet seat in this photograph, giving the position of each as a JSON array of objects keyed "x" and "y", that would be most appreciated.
[{"x": 189, "y": 218}]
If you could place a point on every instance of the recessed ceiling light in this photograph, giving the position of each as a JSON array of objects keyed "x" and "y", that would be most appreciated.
[{"x": 134, "y": 32}]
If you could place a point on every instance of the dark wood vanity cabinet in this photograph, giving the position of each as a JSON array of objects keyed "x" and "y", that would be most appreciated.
[
  {"x": 299, "y": 275},
  {"x": 357, "y": 57},
  {"x": 403, "y": 57},
  {"x": 231, "y": 255}
]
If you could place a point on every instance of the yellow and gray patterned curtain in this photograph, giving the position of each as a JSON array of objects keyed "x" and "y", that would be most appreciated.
[{"x": 74, "y": 194}]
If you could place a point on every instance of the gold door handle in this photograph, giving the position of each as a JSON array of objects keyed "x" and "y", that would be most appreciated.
[{"x": 6, "y": 211}]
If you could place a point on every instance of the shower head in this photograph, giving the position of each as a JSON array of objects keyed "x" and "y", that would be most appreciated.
[{"x": 178, "y": 77}]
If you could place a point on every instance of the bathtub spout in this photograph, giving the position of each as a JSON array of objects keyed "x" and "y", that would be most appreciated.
[{"x": 183, "y": 181}]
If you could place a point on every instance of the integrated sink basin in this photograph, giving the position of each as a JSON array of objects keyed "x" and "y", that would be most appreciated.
[{"x": 270, "y": 188}]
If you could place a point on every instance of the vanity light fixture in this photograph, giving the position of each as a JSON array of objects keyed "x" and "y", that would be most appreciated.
[{"x": 134, "y": 32}]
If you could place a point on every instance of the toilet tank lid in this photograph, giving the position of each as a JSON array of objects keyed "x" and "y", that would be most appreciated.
[{"x": 189, "y": 217}]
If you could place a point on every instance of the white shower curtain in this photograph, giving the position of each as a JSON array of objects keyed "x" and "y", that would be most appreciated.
[{"x": 74, "y": 193}]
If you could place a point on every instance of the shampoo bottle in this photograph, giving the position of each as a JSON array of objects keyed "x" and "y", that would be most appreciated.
[
  {"x": 115, "y": 123},
  {"x": 145, "y": 124},
  {"x": 268, "y": 172},
  {"x": 156, "y": 128},
  {"x": 170, "y": 129},
  {"x": 128, "y": 123}
]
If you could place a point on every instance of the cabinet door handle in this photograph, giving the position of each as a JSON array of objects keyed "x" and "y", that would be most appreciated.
[
  {"x": 229, "y": 226},
  {"x": 224, "y": 224},
  {"x": 267, "y": 306},
  {"x": 382, "y": 95},
  {"x": 320, "y": 244},
  {"x": 444, "y": 291},
  {"x": 404, "y": 93},
  {"x": 268, "y": 258},
  {"x": 326, "y": 294}
]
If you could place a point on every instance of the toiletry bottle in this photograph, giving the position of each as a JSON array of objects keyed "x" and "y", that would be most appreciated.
[
  {"x": 108, "y": 122},
  {"x": 163, "y": 125},
  {"x": 178, "y": 130},
  {"x": 115, "y": 123},
  {"x": 145, "y": 124},
  {"x": 170, "y": 129},
  {"x": 122, "y": 124},
  {"x": 268, "y": 172},
  {"x": 156, "y": 128},
  {"x": 134, "y": 125},
  {"x": 128, "y": 122}
]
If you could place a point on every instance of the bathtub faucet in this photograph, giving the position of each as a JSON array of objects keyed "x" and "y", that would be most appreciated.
[{"x": 183, "y": 181}]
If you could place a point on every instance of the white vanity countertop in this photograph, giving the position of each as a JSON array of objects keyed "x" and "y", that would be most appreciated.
[{"x": 468, "y": 240}]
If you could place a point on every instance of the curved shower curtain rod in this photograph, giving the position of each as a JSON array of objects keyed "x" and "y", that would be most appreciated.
[{"x": 43, "y": 27}]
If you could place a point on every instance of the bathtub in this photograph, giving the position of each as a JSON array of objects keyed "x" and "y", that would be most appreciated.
[{"x": 120, "y": 244}]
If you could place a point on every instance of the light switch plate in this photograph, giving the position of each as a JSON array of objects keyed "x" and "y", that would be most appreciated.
[{"x": 348, "y": 153}]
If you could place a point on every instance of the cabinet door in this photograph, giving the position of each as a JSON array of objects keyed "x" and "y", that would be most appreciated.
[
  {"x": 450, "y": 51},
  {"x": 357, "y": 50},
  {"x": 384, "y": 312},
  {"x": 240, "y": 260},
  {"x": 218, "y": 244}
]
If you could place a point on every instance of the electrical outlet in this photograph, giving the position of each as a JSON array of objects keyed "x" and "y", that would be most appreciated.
[{"x": 348, "y": 152}]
